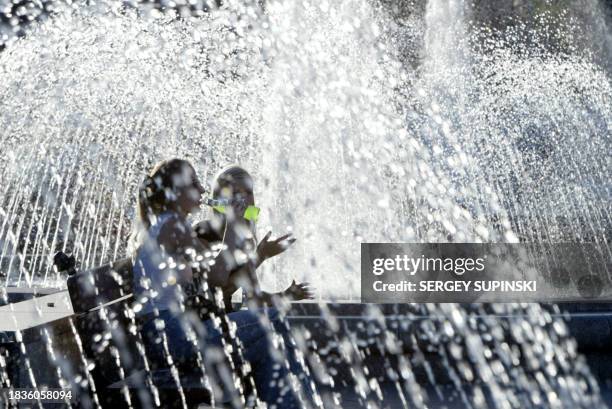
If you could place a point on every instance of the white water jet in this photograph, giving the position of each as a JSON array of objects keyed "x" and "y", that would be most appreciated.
[
  {"x": 306, "y": 97},
  {"x": 329, "y": 152}
]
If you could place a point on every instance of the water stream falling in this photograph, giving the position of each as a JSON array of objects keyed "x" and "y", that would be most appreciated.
[{"x": 486, "y": 138}]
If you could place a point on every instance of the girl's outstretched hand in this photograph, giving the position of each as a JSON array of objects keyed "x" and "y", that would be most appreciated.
[
  {"x": 301, "y": 291},
  {"x": 269, "y": 248}
]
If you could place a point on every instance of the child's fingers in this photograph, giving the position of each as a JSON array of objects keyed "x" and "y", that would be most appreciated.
[
  {"x": 283, "y": 238},
  {"x": 286, "y": 244}
]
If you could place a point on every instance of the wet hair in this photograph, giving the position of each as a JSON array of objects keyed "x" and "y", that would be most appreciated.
[
  {"x": 228, "y": 177},
  {"x": 158, "y": 190}
]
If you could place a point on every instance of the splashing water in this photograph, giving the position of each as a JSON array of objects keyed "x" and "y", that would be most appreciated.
[
  {"x": 106, "y": 103},
  {"x": 306, "y": 97},
  {"x": 487, "y": 139},
  {"x": 531, "y": 121}
]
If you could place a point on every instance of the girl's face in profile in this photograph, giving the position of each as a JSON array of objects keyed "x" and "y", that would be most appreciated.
[
  {"x": 189, "y": 190},
  {"x": 241, "y": 195}
]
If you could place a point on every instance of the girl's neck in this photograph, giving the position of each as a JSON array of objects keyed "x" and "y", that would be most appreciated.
[
  {"x": 178, "y": 210},
  {"x": 222, "y": 220}
]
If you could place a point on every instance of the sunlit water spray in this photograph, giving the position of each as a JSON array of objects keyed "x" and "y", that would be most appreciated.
[
  {"x": 345, "y": 142},
  {"x": 303, "y": 97}
]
